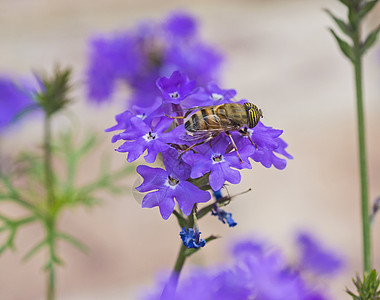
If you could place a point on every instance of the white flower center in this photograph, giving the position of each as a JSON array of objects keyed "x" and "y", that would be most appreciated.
[
  {"x": 150, "y": 136},
  {"x": 174, "y": 95},
  {"x": 217, "y": 158},
  {"x": 142, "y": 116},
  {"x": 171, "y": 182},
  {"x": 216, "y": 97}
]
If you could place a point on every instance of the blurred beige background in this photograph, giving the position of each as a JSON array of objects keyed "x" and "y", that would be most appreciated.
[{"x": 279, "y": 55}]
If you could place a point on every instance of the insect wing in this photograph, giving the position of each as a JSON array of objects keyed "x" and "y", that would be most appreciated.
[{"x": 195, "y": 136}]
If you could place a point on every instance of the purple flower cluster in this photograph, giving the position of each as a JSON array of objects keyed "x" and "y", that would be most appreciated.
[
  {"x": 14, "y": 99},
  {"x": 153, "y": 130},
  {"x": 139, "y": 56},
  {"x": 258, "y": 272}
]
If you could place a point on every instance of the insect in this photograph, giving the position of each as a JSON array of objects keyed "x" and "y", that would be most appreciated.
[{"x": 210, "y": 121}]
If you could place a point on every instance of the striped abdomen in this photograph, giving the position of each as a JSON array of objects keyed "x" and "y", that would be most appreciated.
[{"x": 223, "y": 117}]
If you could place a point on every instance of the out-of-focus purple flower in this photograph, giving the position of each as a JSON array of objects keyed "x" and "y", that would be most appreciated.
[
  {"x": 175, "y": 88},
  {"x": 137, "y": 57},
  {"x": 191, "y": 239},
  {"x": 214, "y": 160},
  {"x": 169, "y": 184},
  {"x": 14, "y": 99},
  {"x": 258, "y": 273},
  {"x": 199, "y": 61},
  {"x": 181, "y": 25},
  {"x": 141, "y": 137},
  {"x": 113, "y": 58},
  {"x": 317, "y": 259}
]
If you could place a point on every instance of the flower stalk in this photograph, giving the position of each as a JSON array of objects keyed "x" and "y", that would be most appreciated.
[
  {"x": 357, "y": 10},
  {"x": 366, "y": 231}
]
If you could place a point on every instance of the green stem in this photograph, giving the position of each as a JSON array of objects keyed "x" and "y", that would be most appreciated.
[
  {"x": 50, "y": 291},
  {"x": 50, "y": 217},
  {"x": 367, "y": 256},
  {"x": 180, "y": 259},
  {"x": 48, "y": 161}
]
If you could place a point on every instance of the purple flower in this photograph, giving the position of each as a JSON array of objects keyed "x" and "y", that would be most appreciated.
[
  {"x": 214, "y": 160},
  {"x": 268, "y": 275},
  {"x": 224, "y": 217},
  {"x": 175, "y": 88},
  {"x": 268, "y": 143},
  {"x": 181, "y": 25},
  {"x": 257, "y": 273},
  {"x": 137, "y": 57},
  {"x": 147, "y": 114},
  {"x": 191, "y": 238},
  {"x": 198, "y": 60},
  {"x": 169, "y": 184},
  {"x": 141, "y": 137},
  {"x": 14, "y": 99},
  {"x": 316, "y": 258},
  {"x": 111, "y": 59}
]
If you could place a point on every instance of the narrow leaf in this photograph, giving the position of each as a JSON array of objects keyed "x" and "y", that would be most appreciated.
[
  {"x": 366, "y": 8},
  {"x": 370, "y": 40},
  {"x": 34, "y": 250},
  {"x": 344, "y": 46},
  {"x": 73, "y": 241},
  {"x": 346, "y": 2},
  {"x": 341, "y": 24}
]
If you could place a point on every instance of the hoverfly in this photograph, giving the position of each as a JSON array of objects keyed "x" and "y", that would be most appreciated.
[{"x": 210, "y": 121}]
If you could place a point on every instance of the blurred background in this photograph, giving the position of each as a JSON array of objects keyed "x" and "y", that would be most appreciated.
[{"x": 280, "y": 56}]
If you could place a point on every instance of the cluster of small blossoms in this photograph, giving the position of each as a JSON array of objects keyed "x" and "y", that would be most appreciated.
[
  {"x": 137, "y": 57},
  {"x": 153, "y": 129},
  {"x": 259, "y": 272}
]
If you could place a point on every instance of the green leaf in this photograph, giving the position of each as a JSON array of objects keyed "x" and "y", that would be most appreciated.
[
  {"x": 368, "y": 288},
  {"x": 88, "y": 144},
  {"x": 73, "y": 241},
  {"x": 366, "y": 8},
  {"x": 347, "y": 3},
  {"x": 344, "y": 46},
  {"x": 34, "y": 250},
  {"x": 341, "y": 24},
  {"x": 370, "y": 40}
]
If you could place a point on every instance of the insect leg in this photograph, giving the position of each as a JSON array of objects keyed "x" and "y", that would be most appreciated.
[
  {"x": 234, "y": 145},
  {"x": 197, "y": 144},
  {"x": 178, "y": 117},
  {"x": 181, "y": 117},
  {"x": 245, "y": 133}
]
